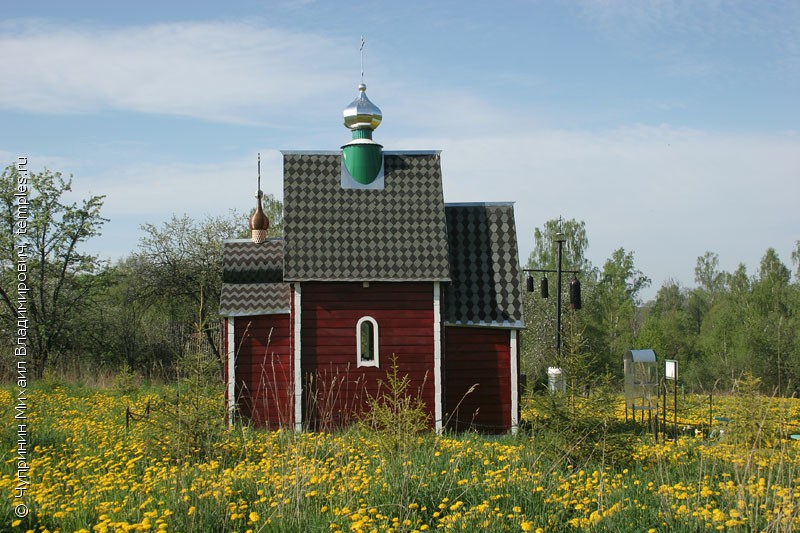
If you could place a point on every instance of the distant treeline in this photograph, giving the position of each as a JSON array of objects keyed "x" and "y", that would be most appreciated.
[
  {"x": 161, "y": 301},
  {"x": 728, "y": 324}
]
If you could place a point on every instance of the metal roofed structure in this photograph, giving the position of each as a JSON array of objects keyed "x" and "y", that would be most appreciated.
[{"x": 641, "y": 382}]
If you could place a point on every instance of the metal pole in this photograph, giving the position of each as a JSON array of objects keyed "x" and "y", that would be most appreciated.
[
  {"x": 560, "y": 241},
  {"x": 675, "y": 407},
  {"x": 664, "y": 414}
]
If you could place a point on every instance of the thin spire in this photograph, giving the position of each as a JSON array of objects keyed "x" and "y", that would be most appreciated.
[
  {"x": 259, "y": 223},
  {"x": 259, "y": 193},
  {"x": 361, "y": 49}
]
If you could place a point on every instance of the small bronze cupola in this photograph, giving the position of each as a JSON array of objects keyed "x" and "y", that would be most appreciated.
[{"x": 259, "y": 223}]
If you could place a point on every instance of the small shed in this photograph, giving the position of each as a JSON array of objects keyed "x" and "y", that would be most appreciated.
[{"x": 641, "y": 382}]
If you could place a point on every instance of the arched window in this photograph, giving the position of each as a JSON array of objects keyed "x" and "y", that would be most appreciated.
[{"x": 367, "y": 341}]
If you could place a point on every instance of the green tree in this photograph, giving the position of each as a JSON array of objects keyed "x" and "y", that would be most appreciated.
[
  {"x": 771, "y": 323},
  {"x": 615, "y": 302},
  {"x": 707, "y": 275},
  {"x": 132, "y": 331},
  {"x": 61, "y": 278},
  {"x": 544, "y": 254},
  {"x": 670, "y": 328},
  {"x": 178, "y": 268}
]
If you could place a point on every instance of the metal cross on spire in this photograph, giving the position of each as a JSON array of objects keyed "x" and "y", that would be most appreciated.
[
  {"x": 361, "y": 49},
  {"x": 259, "y": 193}
]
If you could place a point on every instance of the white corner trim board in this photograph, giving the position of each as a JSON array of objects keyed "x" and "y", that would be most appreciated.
[
  {"x": 298, "y": 384},
  {"x": 437, "y": 355},
  {"x": 231, "y": 361},
  {"x": 514, "y": 356}
]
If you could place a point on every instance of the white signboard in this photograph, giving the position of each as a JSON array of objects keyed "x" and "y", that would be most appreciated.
[{"x": 671, "y": 370}]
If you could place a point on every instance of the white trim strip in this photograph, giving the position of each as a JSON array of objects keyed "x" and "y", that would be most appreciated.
[
  {"x": 338, "y": 152},
  {"x": 231, "y": 361},
  {"x": 517, "y": 324},
  {"x": 479, "y": 204},
  {"x": 514, "y": 355},
  {"x": 254, "y": 312},
  {"x": 298, "y": 385},
  {"x": 437, "y": 355}
]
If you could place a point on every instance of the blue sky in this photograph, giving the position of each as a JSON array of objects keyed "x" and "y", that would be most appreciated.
[{"x": 669, "y": 127}]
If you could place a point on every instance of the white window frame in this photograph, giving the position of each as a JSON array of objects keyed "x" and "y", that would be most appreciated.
[{"x": 375, "y": 360}]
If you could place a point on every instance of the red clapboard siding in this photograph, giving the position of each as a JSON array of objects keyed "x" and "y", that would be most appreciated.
[
  {"x": 264, "y": 385},
  {"x": 335, "y": 389},
  {"x": 478, "y": 356}
]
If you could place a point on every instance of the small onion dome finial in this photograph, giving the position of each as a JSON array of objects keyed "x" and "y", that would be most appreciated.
[
  {"x": 259, "y": 223},
  {"x": 361, "y": 113}
]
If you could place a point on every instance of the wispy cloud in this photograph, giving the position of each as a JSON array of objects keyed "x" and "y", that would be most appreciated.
[
  {"x": 224, "y": 71},
  {"x": 154, "y": 191},
  {"x": 667, "y": 193}
]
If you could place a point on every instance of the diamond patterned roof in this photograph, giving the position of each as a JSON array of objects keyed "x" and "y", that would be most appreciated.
[
  {"x": 484, "y": 265},
  {"x": 397, "y": 233},
  {"x": 252, "y": 276},
  {"x": 403, "y": 232}
]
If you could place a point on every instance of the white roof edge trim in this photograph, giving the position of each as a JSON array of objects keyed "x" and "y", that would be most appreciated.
[
  {"x": 519, "y": 324},
  {"x": 478, "y": 204},
  {"x": 256, "y": 312},
  {"x": 339, "y": 152},
  {"x": 270, "y": 239},
  {"x": 371, "y": 280}
]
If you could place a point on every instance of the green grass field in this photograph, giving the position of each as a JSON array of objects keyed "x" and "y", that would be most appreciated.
[{"x": 576, "y": 466}]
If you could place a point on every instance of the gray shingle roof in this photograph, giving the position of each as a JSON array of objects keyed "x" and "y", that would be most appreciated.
[
  {"x": 484, "y": 264},
  {"x": 244, "y": 261},
  {"x": 247, "y": 299},
  {"x": 397, "y": 233},
  {"x": 252, "y": 276},
  {"x": 403, "y": 232}
]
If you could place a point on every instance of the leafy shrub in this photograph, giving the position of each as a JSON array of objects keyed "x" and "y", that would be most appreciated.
[
  {"x": 394, "y": 414},
  {"x": 577, "y": 430}
]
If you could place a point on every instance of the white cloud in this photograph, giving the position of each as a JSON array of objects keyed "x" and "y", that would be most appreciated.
[
  {"x": 668, "y": 194},
  {"x": 154, "y": 191},
  {"x": 228, "y": 71}
]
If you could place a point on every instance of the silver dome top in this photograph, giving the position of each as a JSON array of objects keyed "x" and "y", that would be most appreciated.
[{"x": 361, "y": 113}]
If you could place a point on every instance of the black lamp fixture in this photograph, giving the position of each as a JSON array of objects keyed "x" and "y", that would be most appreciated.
[
  {"x": 575, "y": 292},
  {"x": 544, "y": 290}
]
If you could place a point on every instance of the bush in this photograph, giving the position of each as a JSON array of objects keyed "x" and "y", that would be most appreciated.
[{"x": 396, "y": 415}]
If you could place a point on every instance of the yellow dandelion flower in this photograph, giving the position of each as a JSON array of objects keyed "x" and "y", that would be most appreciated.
[
  {"x": 526, "y": 526},
  {"x": 253, "y": 516}
]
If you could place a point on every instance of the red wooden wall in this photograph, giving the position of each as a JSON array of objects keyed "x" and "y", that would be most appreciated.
[
  {"x": 477, "y": 356},
  {"x": 264, "y": 384},
  {"x": 334, "y": 387}
]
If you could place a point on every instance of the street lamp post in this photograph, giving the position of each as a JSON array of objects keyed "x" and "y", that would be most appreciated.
[
  {"x": 575, "y": 287},
  {"x": 560, "y": 241}
]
